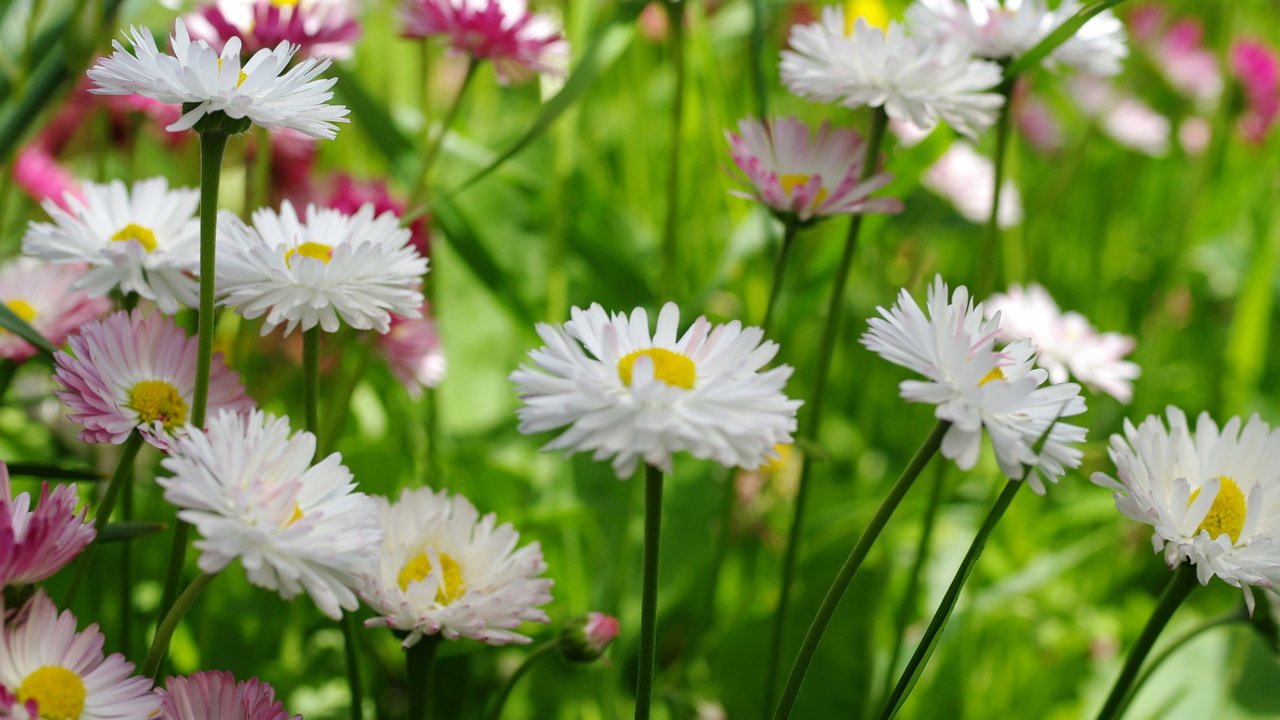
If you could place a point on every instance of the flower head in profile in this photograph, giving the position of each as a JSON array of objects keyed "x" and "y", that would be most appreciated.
[
  {"x": 628, "y": 396},
  {"x": 41, "y": 295},
  {"x": 584, "y": 639},
  {"x": 142, "y": 239},
  {"x": 518, "y": 42},
  {"x": 967, "y": 179},
  {"x": 317, "y": 28},
  {"x": 852, "y": 63},
  {"x": 801, "y": 175},
  {"x": 129, "y": 371},
  {"x": 250, "y": 490},
  {"x": 413, "y": 352},
  {"x": 215, "y": 695},
  {"x": 1066, "y": 343},
  {"x": 316, "y": 269},
  {"x": 264, "y": 90},
  {"x": 443, "y": 568},
  {"x": 1209, "y": 494},
  {"x": 978, "y": 388},
  {"x": 44, "y": 660},
  {"x": 35, "y": 544}
]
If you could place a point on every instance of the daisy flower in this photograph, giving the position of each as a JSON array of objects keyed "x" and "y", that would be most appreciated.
[
  {"x": 35, "y": 544},
  {"x": 41, "y": 295},
  {"x": 130, "y": 371},
  {"x": 250, "y": 490},
  {"x": 1209, "y": 494},
  {"x": 1257, "y": 67},
  {"x": 317, "y": 28},
  {"x": 967, "y": 180},
  {"x": 976, "y": 387},
  {"x": 43, "y": 659},
  {"x": 312, "y": 271},
  {"x": 1067, "y": 343},
  {"x": 207, "y": 82},
  {"x": 836, "y": 60},
  {"x": 215, "y": 695},
  {"x": 142, "y": 239},
  {"x": 630, "y": 396},
  {"x": 412, "y": 350},
  {"x": 518, "y": 42},
  {"x": 584, "y": 639},
  {"x": 445, "y": 569},
  {"x": 800, "y": 175}
]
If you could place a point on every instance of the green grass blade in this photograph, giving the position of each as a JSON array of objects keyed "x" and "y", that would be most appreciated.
[{"x": 16, "y": 325}]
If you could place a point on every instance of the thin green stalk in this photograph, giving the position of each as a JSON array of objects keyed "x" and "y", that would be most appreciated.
[
  {"x": 164, "y": 631},
  {"x": 311, "y": 378},
  {"x": 649, "y": 596},
  {"x": 212, "y": 147},
  {"x": 352, "y": 659},
  {"x": 419, "y": 187},
  {"x": 417, "y": 670},
  {"x": 123, "y": 473},
  {"x": 339, "y": 405},
  {"x": 879, "y": 122},
  {"x": 827, "y": 610},
  {"x": 670, "y": 234},
  {"x": 177, "y": 558},
  {"x": 1179, "y": 587},
  {"x": 1060, "y": 35},
  {"x": 537, "y": 654},
  {"x": 1235, "y": 616},
  {"x": 758, "y": 23},
  {"x": 779, "y": 273},
  {"x": 8, "y": 369},
  {"x": 989, "y": 260},
  {"x": 126, "y": 573}
]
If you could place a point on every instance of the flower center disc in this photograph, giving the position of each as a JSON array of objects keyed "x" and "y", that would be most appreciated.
[
  {"x": 22, "y": 309},
  {"x": 791, "y": 181},
  {"x": 145, "y": 237},
  {"x": 670, "y": 367},
  {"x": 158, "y": 400},
  {"x": 419, "y": 567},
  {"x": 313, "y": 250},
  {"x": 1227, "y": 513},
  {"x": 873, "y": 11},
  {"x": 58, "y": 692},
  {"x": 995, "y": 374}
]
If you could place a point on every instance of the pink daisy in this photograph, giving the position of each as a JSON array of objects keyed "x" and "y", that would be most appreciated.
[
  {"x": 38, "y": 173},
  {"x": 349, "y": 194},
  {"x": 35, "y": 544},
  {"x": 1258, "y": 69},
  {"x": 803, "y": 175},
  {"x": 215, "y": 695},
  {"x": 519, "y": 43},
  {"x": 130, "y": 371},
  {"x": 412, "y": 349},
  {"x": 41, "y": 294},
  {"x": 13, "y": 709},
  {"x": 320, "y": 28}
]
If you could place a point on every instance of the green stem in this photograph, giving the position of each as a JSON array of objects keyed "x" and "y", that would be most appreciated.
[
  {"x": 537, "y": 654},
  {"x": 417, "y": 670},
  {"x": 670, "y": 234},
  {"x": 119, "y": 478},
  {"x": 779, "y": 272},
  {"x": 339, "y": 405},
  {"x": 649, "y": 596},
  {"x": 311, "y": 379},
  {"x": 164, "y": 631},
  {"x": 419, "y": 187},
  {"x": 352, "y": 659},
  {"x": 1237, "y": 615},
  {"x": 126, "y": 574},
  {"x": 989, "y": 261},
  {"x": 827, "y": 610},
  {"x": 758, "y": 24},
  {"x": 907, "y": 680},
  {"x": 879, "y": 122},
  {"x": 212, "y": 147}
]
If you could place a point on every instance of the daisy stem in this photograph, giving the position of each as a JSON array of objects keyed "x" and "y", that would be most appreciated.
[
  {"x": 417, "y": 671},
  {"x": 534, "y": 656},
  {"x": 311, "y": 380},
  {"x": 212, "y": 146},
  {"x": 671, "y": 283},
  {"x": 649, "y": 596},
  {"x": 121, "y": 476},
  {"x": 779, "y": 272},
  {"x": 850, "y": 568},
  {"x": 352, "y": 658},
  {"x": 907, "y": 680},
  {"x": 1179, "y": 587},
  {"x": 1235, "y": 616},
  {"x": 759, "y": 20},
  {"x": 989, "y": 261},
  {"x": 164, "y": 631},
  {"x": 418, "y": 191}
]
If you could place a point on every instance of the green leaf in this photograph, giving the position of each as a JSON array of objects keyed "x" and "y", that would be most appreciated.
[
  {"x": 54, "y": 472},
  {"x": 125, "y": 531},
  {"x": 16, "y": 325}
]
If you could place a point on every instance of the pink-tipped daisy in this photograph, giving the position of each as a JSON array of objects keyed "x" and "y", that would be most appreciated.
[
  {"x": 801, "y": 174},
  {"x": 318, "y": 28},
  {"x": 35, "y": 544},
  {"x": 129, "y": 371},
  {"x": 215, "y": 695},
  {"x": 41, "y": 294},
  {"x": 412, "y": 350},
  {"x": 519, "y": 43}
]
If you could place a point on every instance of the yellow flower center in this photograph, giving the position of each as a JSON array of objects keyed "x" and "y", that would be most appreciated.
[
  {"x": 791, "y": 181},
  {"x": 240, "y": 80},
  {"x": 285, "y": 3},
  {"x": 314, "y": 250},
  {"x": 873, "y": 11},
  {"x": 995, "y": 374},
  {"x": 671, "y": 368},
  {"x": 145, "y": 237},
  {"x": 58, "y": 692},
  {"x": 296, "y": 516},
  {"x": 775, "y": 465},
  {"x": 418, "y": 568},
  {"x": 158, "y": 400},
  {"x": 1226, "y": 515},
  {"x": 22, "y": 309}
]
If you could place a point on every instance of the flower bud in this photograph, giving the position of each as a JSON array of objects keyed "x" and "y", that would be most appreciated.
[{"x": 585, "y": 638}]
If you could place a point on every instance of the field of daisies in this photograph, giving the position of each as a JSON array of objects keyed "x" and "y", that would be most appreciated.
[{"x": 596, "y": 359}]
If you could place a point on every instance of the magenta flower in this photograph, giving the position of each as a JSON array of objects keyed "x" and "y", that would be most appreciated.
[
  {"x": 519, "y": 43},
  {"x": 35, "y": 544},
  {"x": 349, "y": 194},
  {"x": 320, "y": 28},
  {"x": 1258, "y": 69},
  {"x": 42, "y": 295},
  {"x": 412, "y": 349},
  {"x": 215, "y": 695},
  {"x": 130, "y": 371},
  {"x": 13, "y": 709},
  {"x": 38, "y": 173}
]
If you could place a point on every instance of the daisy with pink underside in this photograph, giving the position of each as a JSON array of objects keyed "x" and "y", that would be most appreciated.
[
  {"x": 317, "y": 28},
  {"x": 215, "y": 695},
  {"x": 413, "y": 352},
  {"x": 41, "y": 295},
  {"x": 519, "y": 43},
  {"x": 35, "y": 544}
]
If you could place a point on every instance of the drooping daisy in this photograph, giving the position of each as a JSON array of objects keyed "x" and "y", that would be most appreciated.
[
  {"x": 412, "y": 350},
  {"x": 629, "y": 396},
  {"x": 41, "y": 294},
  {"x": 977, "y": 387},
  {"x": 1210, "y": 494},
  {"x": 310, "y": 272},
  {"x": 837, "y": 60},
  {"x": 1067, "y": 343},
  {"x": 43, "y": 658},
  {"x": 215, "y": 695},
  {"x": 967, "y": 180},
  {"x": 518, "y": 42},
  {"x": 206, "y": 81},
  {"x": 317, "y": 28},
  {"x": 129, "y": 371},
  {"x": 250, "y": 490},
  {"x": 35, "y": 544},
  {"x": 801, "y": 175},
  {"x": 143, "y": 239},
  {"x": 445, "y": 569}
]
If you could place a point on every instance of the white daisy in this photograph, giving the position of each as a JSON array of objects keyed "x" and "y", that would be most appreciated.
[
  {"x": 358, "y": 267},
  {"x": 967, "y": 179},
  {"x": 207, "y": 82},
  {"x": 1212, "y": 495},
  {"x": 919, "y": 82},
  {"x": 143, "y": 239},
  {"x": 977, "y": 387},
  {"x": 251, "y": 492},
  {"x": 1097, "y": 48},
  {"x": 628, "y": 396},
  {"x": 445, "y": 569}
]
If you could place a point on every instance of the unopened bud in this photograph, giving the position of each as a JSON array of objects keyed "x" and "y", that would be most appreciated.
[{"x": 585, "y": 638}]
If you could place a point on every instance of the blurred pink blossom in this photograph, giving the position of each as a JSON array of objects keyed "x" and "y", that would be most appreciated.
[
  {"x": 413, "y": 351},
  {"x": 323, "y": 28},
  {"x": 42, "y": 178},
  {"x": 1257, "y": 68},
  {"x": 35, "y": 544},
  {"x": 518, "y": 42},
  {"x": 349, "y": 194},
  {"x": 967, "y": 179}
]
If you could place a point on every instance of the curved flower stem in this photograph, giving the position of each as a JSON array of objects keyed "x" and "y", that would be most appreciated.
[
  {"x": 121, "y": 476},
  {"x": 649, "y": 597},
  {"x": 1179, "y": 587},
  {"x": 432, "y": 152},
  {"x": 1237, "y": 615},
  {"x": 989, "y": 261},
  {"x": 537, "y": 654},
  {"x": 418, "y": 661},
  {"x": 850, "y": 568},
  {"x": 779, "y": 272},
  {"x": 879, "y": 122},
  {"x": 670, "y": 233},
  {"x": 311, "y": 380},
  {"x": 164, "y": 631}
]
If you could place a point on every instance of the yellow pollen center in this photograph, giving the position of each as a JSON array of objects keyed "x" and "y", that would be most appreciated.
[
  {"x": 873, "y": 11},
  {"x": 240, "y": 80},
  {"x": 791, "y": 181},
  {"x": 995, "y": 374},
  {"x": 314, "y": 250},
  {"x": 58, "y": 692},
  {"x": 145, "y": 237},
  {"x": 284, "y": 3},
  {"x": 418, "y": 568},
  {"x": 158, "y": 400},
  {"x": 670, "y": 367},
  {"x": 296, "y": 516},
  {"x": 22, "y": 309},
  {"x": 775, "y": 465},
  {"x": 1226, "y": 515}
]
